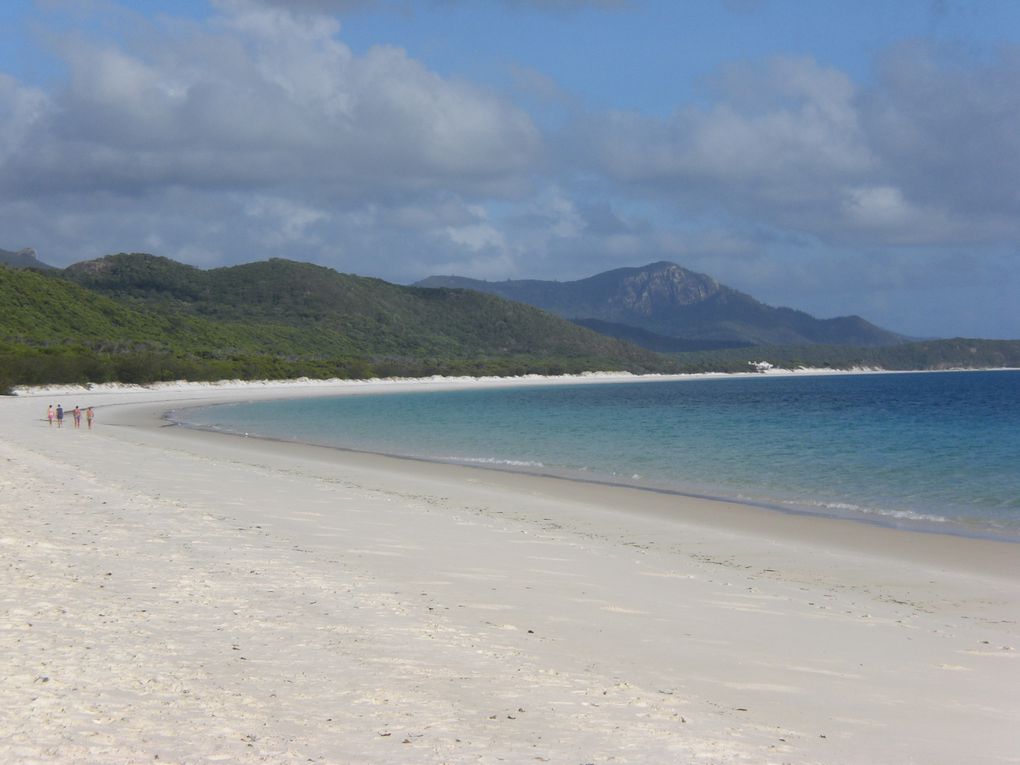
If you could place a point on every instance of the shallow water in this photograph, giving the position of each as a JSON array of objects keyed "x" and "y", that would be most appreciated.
[{"x": 939, "y": 451}]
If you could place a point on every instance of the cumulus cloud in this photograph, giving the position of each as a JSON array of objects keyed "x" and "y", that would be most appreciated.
[
  {"x": 266, "y": 97},
  {"x": 927, "y": 153},
  {"x": 794, "y": 118},
  {"x": 779, "y": 146},
  {"x": 290, "y": 221}
]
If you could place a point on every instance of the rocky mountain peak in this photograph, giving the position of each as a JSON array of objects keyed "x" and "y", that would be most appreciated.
[
  {"x": 663, "y": 285},
  {"x": 23, "y": 258}
]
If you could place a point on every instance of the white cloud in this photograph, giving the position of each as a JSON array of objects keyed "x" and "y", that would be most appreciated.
[
  {"x": 287, "y": 221},
  {"x": 779, "y": 136},
  {"x": 878, "y": 207},
  {"x": 477, "y": 235},
  {"x": 261, "y": 98},
  {"x": 928, "y": 153},
  {"x": 20, "y": 110}
]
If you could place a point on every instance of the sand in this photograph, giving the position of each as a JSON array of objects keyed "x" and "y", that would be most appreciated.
[{"x": 175, "y": 596}]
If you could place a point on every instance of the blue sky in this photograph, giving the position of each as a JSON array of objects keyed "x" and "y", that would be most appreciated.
[{"x": 837, "y": 157}]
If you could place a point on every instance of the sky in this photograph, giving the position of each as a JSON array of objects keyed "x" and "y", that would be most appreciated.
[{"x": 836, "y": 156}]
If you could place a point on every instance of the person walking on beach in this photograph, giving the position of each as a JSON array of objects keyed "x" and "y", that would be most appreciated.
[
  {"x": 60, "y": 415},
  {"x": 89, "y": 416},
  {"x": 77, "y": 416},
  {"x": 50, "y": 414}
]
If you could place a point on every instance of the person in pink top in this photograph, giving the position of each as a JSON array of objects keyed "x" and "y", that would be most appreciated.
[{"x": 50, "y": 414}]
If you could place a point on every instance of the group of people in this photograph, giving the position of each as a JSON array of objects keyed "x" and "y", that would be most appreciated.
[{"x": 57, "y": 415}]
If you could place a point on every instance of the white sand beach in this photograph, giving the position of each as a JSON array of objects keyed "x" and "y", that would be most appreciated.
[{"x": 176, "y": 596}]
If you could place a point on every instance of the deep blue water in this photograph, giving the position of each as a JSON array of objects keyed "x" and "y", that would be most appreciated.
[{"x": 936, "y": 451}]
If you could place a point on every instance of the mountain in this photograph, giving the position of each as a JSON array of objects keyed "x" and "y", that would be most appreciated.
[
  {"x": 25, "y": 258},
  {"x": 672, "y": 302},
  {"x": 138, "y": 318}
]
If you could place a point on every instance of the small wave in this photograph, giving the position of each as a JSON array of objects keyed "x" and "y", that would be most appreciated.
[
  {"x": 496, "y": 461},
  {"x": 846, "y": 507},
  {"x": 909, "y": 515}
]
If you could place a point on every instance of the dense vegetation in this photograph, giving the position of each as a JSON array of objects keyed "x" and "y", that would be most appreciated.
[{"x": 139, "y": 318}]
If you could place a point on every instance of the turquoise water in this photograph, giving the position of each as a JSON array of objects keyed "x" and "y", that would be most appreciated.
[{"x": 934, "y": 451}]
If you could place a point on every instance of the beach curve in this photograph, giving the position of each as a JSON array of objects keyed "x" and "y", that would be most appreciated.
[{"x": 198, "y": 596}]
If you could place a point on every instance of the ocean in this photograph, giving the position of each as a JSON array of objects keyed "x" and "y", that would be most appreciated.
[{"x": 930, "y": 451}]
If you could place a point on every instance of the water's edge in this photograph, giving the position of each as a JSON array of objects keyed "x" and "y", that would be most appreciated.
[{"x": 175, "y": 418}]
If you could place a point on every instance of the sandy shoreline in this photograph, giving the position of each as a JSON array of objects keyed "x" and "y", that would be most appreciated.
[{"x": 203, "y": 597}]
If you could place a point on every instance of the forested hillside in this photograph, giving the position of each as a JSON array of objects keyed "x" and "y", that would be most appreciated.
[{"x": 139, "y": 318}]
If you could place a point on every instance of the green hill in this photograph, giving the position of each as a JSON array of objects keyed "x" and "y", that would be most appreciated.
[
  {"x": 338, "y": 313},
  {"x": 139, "y": 318}
]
